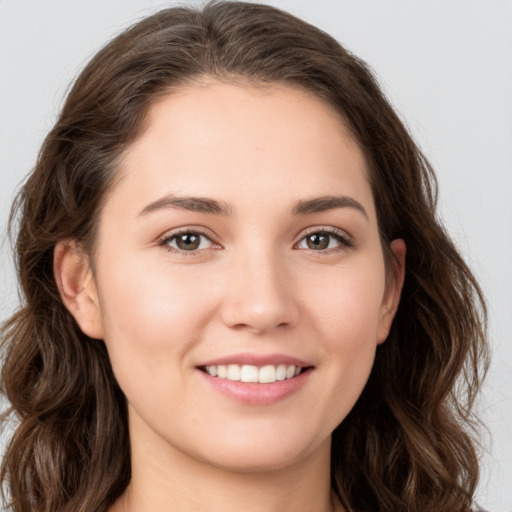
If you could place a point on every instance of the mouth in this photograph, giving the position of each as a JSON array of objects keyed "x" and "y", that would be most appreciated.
[
  {"x": 256, "y": 379},
  {"x": 266, "y": 374}
]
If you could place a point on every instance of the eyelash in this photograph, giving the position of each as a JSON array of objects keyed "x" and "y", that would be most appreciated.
[
  {"x": 344, "y": 240},
  {"x": 168, "y": 239}
]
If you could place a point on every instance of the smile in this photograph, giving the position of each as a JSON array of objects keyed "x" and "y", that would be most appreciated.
[
  {"x": 249, "y": 373},
  {"x": 256, "y": 384}
]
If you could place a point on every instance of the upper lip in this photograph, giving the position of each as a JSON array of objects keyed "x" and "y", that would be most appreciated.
[{"x": 257, "y": 360}]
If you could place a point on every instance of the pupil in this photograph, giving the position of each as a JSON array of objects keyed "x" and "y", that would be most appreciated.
[
  {"x": 188, "y": 242},
  {"x": 318, "y": 241}
]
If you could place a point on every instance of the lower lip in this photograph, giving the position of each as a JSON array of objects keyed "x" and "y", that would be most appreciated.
[{"x": 253, "y": 393}]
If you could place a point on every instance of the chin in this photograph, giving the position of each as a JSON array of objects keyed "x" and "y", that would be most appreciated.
[
  {"x": 252, "y": 463},
  {"x": 263, "y": 454}
]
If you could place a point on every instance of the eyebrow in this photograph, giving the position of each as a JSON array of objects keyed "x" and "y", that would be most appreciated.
[
  {"x": 214, "y": 207},
  {"x": 322, "y": 204},
  {"x": 193, "y": 204}
]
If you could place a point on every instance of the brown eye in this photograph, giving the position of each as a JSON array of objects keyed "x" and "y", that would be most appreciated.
[
  {"x": 187, "y": 241},
  {"x": 318, "y": 241},
  {"x": 325, "y": 241}
]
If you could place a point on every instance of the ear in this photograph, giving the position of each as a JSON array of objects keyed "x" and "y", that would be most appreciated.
[
  {"x": 77, "y": 287},
  {"x": 394, "y": 284}
]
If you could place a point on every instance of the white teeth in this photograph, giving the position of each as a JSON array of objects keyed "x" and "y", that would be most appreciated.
[
  {"x": 250, "y": 373},
  {"x": 233, "y": 372},
  {"x": 281, "y": 372},
  {"x": 267, "y": 374},
  {"x": 211, "y": 370}
]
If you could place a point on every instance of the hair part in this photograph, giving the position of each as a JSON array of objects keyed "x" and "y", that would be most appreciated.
[{"x": 406, "y": 445}]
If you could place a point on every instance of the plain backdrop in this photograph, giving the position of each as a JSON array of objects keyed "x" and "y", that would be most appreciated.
[{"x": 446, "y": 65}]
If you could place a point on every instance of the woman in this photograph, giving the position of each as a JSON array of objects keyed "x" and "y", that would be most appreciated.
[{"x": 237, "y": 291}]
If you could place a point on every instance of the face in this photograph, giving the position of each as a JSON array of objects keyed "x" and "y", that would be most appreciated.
[{"x": 239, "y": 281}]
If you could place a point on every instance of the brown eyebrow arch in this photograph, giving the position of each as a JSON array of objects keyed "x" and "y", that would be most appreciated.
[
  {"x": 193, "y": 204},
  {"x": 213, "y": 207},
  {"x": 322, "y": 204}
]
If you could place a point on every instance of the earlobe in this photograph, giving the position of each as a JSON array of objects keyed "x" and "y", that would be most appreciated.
[
  {"x": 77, "y": 287},
  {"x": 393, "y": 290}
]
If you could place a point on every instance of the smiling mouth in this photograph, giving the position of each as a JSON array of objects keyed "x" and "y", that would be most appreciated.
[{"x": 249, "y": 373}]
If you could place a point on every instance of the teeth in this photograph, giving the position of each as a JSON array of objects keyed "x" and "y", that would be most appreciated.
[
  {"x": 233, "y": 372},
  {"x": 281, "y": 372},
  {"x": 267, "y": 374},
  {"x": 249, "y": 373}
]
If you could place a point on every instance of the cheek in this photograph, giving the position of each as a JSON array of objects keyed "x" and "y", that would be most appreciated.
[
  {"x": 147, "y": 296},
  {"x": 345, "y": 320},
  {"x": 345, "y": 303},
  {"x": 151, "y": 319}
]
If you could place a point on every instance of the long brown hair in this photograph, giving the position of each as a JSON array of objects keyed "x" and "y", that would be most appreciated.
[{"x": 406, "y": 444}]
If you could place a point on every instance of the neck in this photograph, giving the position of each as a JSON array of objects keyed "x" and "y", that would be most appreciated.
[{"x": 165, "y": 478}]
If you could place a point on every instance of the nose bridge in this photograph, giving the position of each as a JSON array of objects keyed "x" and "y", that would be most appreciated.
[{"x": 259, "y": 294}]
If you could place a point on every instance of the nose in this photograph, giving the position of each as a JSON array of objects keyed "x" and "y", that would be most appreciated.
[{"x": 259, "y": 295}]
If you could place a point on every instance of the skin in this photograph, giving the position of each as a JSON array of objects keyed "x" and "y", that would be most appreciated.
[{"x": 256, "y": 284}]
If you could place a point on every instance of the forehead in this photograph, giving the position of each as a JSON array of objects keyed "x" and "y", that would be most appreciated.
[{"x": 217, "y": 139}]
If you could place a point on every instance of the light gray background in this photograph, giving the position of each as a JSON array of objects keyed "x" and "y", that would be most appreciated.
[{"x": 445, "y": 64}]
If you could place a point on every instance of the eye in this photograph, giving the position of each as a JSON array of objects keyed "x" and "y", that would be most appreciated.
[
  {"x": 187, "y": 241},
  {"x": 325, "y": 240}
]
